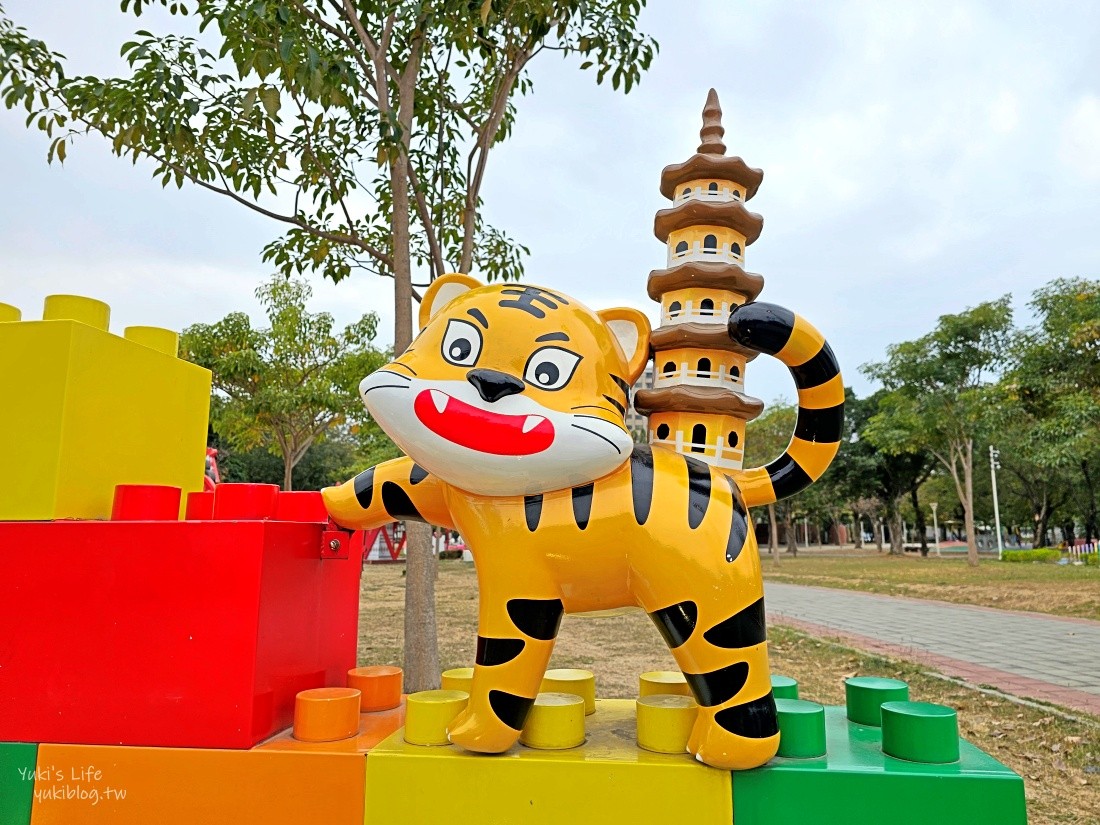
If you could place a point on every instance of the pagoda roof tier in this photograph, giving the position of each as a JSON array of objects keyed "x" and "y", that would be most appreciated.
[
  {"x": 730, "y": 214},
  {"x": 718, "y": 167},
  {"x": 697, "y": 336},
  {"x": 694, "y": 399},
  {"x": 705, "y": 275}
]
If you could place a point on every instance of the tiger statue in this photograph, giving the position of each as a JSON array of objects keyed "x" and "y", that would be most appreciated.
[{"x": 510, "y": 407}]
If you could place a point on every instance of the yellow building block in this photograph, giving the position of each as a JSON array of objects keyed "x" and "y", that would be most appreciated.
[
  {"x": 84, "y": 410},
  {"x": 101, "y": 785},
  {"x": 608, "y": 779}
]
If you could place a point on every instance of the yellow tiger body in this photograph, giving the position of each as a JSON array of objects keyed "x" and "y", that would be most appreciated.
[{"x": 562, "y": 513}]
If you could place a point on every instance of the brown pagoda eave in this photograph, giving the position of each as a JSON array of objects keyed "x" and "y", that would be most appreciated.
[
  {"x": 730, "y": 214},
  {"x": 697, "y": 336},
  {"x": 705, "y": 275},
  {"x": 690, "y": 398},
  {"x": 716, "y": 166}
]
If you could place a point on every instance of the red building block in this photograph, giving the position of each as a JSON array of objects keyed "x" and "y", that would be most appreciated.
[{"x": 165, "y": 633}]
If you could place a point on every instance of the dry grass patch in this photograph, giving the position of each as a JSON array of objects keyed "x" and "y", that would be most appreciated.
[
  {"x": 1063, "y": 590},
  {"x": 1059, "y": 759}
]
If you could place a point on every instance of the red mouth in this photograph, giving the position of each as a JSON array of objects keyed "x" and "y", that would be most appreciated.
[{"x": 480, "y": 429}]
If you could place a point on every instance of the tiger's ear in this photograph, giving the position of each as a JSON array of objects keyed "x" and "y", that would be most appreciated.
[
  {"x": 442, "y": 291},
  {"x": 631, "y": 330}
]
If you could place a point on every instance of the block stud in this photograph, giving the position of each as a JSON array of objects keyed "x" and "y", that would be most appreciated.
[
  {"x": 579, "y": 682},
  {"x": 429, "y": 712},
  {"x": 162, "y": 340},
  {"x": 200, "y": 506},
  {"x": 379, "y": 685},
  {"x": 77, "y": 308},
  {"x": 556, "y": 722},
  {"x": 920, "y": 732},
  {"x": 665, "y": 721},
  {"x": 663, "y": 681},
  {"x": 240, "y": 502},
  {"x": 784, "y": 687},
  {"x": 8, "y": 313},
  {"x": 326, "y": 714},
  {"x": 458, "y": 678},
  {"x": 864, "y": 696},
  {"x": 146, "y": 502},
  {"x": 801, "y": 728}
]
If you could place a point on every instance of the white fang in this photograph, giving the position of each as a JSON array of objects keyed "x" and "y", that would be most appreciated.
[
  {"x": 531, "y": 422},
  {"x": 440, "y": 400}
]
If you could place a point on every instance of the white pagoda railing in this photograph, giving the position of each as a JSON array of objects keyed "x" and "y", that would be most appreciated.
[
  {"x": 703, "y": 193},
  {"x": 683, "y": 374},
  {"x": 715, "y": 452},
  {"x": 697, "y": 252},
  {"x": 689, "y": 311}
]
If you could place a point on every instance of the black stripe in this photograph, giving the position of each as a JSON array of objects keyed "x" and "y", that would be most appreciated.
[
  {"x": 492, "y": 652},
  {"x": 676, "y": 623},
  {"x": 820, "y": 426},
  {"x": 417, "y": 474},
  {"x": 718, "y": 686},
  {"x": 364, "y": 488},
  {"x": 641, "y": 482},
  {"x": 698, "y": 490},
  {"x": 512, "y": 710},
  {"x": 616, "y": 404},
  {"x": 755, "y": 720},
  {"x": 397, "y": 502},
  {"x": 532, "y": 511},
  {"x": 761, "y": 327},
  {"x": 819, "y": 369},
  {"x": 537, "y": 618},
  {"x": 739, "y": 527},
  {"x": 582, "y": 504},
  {"x": 787, "y": 476},
  {"x": 625, "y": 387},
  {"x": 479, "y": 315},
  {"x": 744, "y": 628}
]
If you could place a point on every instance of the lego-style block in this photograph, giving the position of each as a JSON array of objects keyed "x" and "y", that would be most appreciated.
[
  {"x": 85, "y": 410},
  {"x": 18, "y": 762},
  {"x": 855, "y": 783},
  {"x": 373, "y": 728},
  {"x": 607, "y": 779},
  {"x": 92, "y": 784},
  {"x": 186, "y": 634}
]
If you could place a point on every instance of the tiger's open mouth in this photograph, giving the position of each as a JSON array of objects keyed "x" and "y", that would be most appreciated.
[{"x": 481, "y": 430}]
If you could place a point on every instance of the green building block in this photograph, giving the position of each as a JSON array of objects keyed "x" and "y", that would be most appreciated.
[
  {"x": 17, "y": 764},
  {"x": 855, "y": 783}
]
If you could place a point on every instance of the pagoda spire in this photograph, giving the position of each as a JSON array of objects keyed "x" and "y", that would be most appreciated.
[{"x": 712, "y": 131}]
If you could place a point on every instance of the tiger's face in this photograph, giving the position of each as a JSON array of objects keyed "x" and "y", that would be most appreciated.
[{"x": 511, "y": 389}]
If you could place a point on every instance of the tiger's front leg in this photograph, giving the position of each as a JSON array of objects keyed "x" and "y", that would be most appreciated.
[{"x": 515, "y": 638}]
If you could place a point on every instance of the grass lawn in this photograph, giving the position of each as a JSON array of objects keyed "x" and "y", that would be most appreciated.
[
  {"x": 1045, "y": 588},
  {"x": 1051, "y": 753}
]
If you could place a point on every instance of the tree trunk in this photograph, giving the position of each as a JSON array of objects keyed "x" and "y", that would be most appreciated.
[
  {"x": 857, "y": 531},
  {"x": 773, "y": 534},
  {"x": 897, "y": 530},
  {"x": 288, "y": 474},
  {"x": 789, "y": 528},
  {"x": 921, "y": 525},
  {"x": 1042, "y": 520},
  {"x": 878, "y": 534},
  {"x": 968, "y": 504},
  {"x": 1090, "y": 503}
]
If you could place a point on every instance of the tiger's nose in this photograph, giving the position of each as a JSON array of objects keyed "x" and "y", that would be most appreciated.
[{"x": 492, "y": 385}]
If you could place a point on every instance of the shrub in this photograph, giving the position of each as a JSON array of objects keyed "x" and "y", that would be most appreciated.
[{"x": 1041, "y": 554}]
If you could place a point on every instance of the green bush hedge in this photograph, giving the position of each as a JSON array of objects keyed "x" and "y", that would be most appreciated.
[{"x": 1043, "y": 554}]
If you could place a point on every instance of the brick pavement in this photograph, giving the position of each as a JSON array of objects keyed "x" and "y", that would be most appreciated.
[{"x": 1031, "y": 655}]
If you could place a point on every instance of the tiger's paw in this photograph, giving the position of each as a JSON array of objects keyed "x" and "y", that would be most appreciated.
[
  {"x": 482, "y": 732},
  {"x": 713, "y": 743}
]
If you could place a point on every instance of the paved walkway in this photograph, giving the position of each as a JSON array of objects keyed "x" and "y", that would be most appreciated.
[{"x": 1026, "y": 654}]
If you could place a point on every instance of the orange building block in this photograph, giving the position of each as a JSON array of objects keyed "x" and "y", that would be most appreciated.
[{"x": 373, "y": 728}]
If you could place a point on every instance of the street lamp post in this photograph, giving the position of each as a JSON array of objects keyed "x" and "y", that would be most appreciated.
[
  {"x": 936, "y": 526},
  {"x": 994, "y": 465}
]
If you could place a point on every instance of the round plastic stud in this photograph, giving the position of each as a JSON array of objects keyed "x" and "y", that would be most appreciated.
[
  {"x": 245, "y": 502},
  {"x": 9, "y": 313},
  {"x": 920, "y": 732},
  {"x": 146, "y": 502},
  {"x": 458, "y": 678},
  {"x": 665, "y": 721},
  {"x": 864, "y": 696},
  {"x": 162, "y": 340},
  {"x": 200, "y": 506},
  {"x": 77, "y": 308},
  {"x": 326, "y": 714},
  {"x": 429, "y": 712},
  {"x": 579, "y": 682},
  {"x": 663, "y": 681},
  {"x": 556, "y": 722},
  {"x": 380, "y": 686},
  {"x": 784, "y": 687},
  {"x": 801, "y": 728}
]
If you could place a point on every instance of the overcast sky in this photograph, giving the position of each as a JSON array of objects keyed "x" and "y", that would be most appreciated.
[{"x": 918, "y": 158}]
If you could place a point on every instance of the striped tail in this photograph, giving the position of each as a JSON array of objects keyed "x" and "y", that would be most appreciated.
[{"x": 777, "y": 331}]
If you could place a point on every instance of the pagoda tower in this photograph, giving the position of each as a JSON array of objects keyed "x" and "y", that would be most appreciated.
[{"x": 697, "y": 405}]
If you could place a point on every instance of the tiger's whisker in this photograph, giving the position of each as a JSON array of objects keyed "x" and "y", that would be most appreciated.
[
  {"x": 604, "y": 420},
  {"x": 614, "y": 446}
]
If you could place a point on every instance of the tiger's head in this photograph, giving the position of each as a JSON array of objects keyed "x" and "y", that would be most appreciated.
[{"x": 511, "y": 389}]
